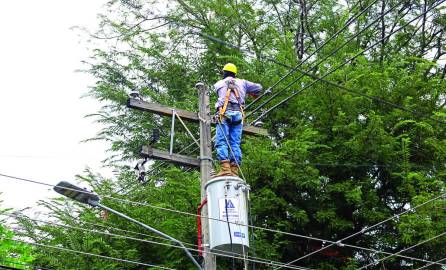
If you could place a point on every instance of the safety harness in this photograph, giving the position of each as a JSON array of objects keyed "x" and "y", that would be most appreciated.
[{"x": 232, "y": 87}]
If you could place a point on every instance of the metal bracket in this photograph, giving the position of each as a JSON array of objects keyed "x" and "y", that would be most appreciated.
[
  {"x": 188, "y": 131},
  {"x": 207, "y": 122},
  {"x": 172, "y": 132}
]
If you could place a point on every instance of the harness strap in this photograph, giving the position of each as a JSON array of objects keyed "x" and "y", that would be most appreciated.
[
  {"x": 242, "y": 108},
  {"x": 231, "y": 88},
  {"x": 225, "y": 105}
]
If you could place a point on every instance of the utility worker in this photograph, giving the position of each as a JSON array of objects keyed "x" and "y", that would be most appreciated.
[{"x": 231, "y": 93}]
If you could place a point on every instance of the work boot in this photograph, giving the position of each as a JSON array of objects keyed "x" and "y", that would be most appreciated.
[
  {"x": 234, "y": 169},
  {"x": 225, "y": 169}
]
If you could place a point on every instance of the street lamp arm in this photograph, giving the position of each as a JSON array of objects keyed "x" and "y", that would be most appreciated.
[
  {"x": 178, "y": 242},
  {"x": 83, "y": 196}
]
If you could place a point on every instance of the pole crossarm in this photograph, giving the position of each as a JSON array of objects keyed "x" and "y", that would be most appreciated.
[
  {"x": 150, "y": 152},
  {"x": 164, "y": 110},
  {"x": 160, "y": 109}
]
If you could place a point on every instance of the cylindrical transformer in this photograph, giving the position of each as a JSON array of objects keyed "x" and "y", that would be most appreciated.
[{"x": 228, "y": 214}]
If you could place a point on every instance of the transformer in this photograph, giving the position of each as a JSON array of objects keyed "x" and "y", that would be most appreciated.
[{"x": 228, "y": 214}]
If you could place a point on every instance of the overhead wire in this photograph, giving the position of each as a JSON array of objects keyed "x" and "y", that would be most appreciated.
[
  {"x": 316, "y": 77},
  {"x": 86, "y": 253},
  {"x": 403, "y": 250},
  {"x": 332, "y": 243},
  {"x": 350, "y": 10},
  {"x": 230, "y": 255},
  {"x": 93, "y": 230},
  {"x": 294, "y": 93},
  {"x": 339, "y": 242},
  {"x": 294, "y": 69},
  {"x": 110, "y": 227},
  {"x": 133, "y": 232},
  {"x": 345, "y": 164},
  {"x": 251, "y": 259},
  {"x": 313, "y": 66},
  {"x": 152, "y": 170},
  {"x": 430, "y": 264},
  {"x": 196, "y": 246}
]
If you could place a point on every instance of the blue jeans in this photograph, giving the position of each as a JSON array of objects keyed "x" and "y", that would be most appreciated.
[{"x": 230, "y": 130}]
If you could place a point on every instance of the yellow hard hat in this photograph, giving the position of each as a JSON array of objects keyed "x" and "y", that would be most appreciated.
[{"x": 230, "y": 67}]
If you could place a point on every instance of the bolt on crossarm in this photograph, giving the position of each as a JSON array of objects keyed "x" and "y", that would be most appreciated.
[{"x": 78, "y": 194}]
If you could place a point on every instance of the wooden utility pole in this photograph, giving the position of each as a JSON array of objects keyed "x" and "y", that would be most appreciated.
[
  {"x": 204, "y": 161},
  {"x": 210, "y": 262}
]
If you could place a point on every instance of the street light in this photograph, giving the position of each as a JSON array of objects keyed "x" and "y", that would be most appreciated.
[
  {"x": 83, "y": 196},
  {"x": 76, "y": 193}
]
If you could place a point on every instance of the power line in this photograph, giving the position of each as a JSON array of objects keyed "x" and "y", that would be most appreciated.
[
  {"x": 255, "y": 259},
  {"x": 378, "y": 99},
  {"x": 132, "y": 232},
  {"x": 406, "y": 249},
  {"x": 338, "y": 243},
  {"x": 294, "y": 69},
  {"x": 342, "y": 164},
  {"x": 430, "y": 264},
  {"x": 357, "y": 93},
  {"x": 92, "y": 230},
  {"x": 325, "y": 57},
  {"x": 86, "y": 253},
  {"x": 226, "y": 254}
]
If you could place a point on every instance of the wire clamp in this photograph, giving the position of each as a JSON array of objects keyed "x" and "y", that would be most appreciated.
[
  {"x": 339, "y": 244},
  {"x": 206, "y": 158}
]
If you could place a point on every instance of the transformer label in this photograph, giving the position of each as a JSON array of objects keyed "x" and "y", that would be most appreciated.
[
  {"x": 239, "y": 234},
  {"x": 232, "y": 205}
]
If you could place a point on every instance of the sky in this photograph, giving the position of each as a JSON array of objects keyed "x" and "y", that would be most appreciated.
[{"x": 42, "y": 113}]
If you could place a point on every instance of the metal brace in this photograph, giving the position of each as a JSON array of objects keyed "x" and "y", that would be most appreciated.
[
  {"x": 188, "y": 131},
  {"x": 172, "y": 132}
]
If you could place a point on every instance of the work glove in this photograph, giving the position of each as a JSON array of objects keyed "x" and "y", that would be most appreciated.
[
  {"x": 253, "y": 95},
  {"x": 216, "y": 117}
]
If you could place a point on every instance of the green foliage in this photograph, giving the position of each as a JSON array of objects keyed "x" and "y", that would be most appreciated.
[
  {"x": 335, "y": 162},
  {"x": 13, "y": 253}
]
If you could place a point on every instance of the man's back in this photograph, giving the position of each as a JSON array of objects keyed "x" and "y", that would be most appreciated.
[{"x": 242, "y": 86}]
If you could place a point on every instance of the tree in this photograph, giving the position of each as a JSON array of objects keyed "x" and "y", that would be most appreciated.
[
  {"x": 14, "y": 253},
  {"x": 338, "y": 160}
]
